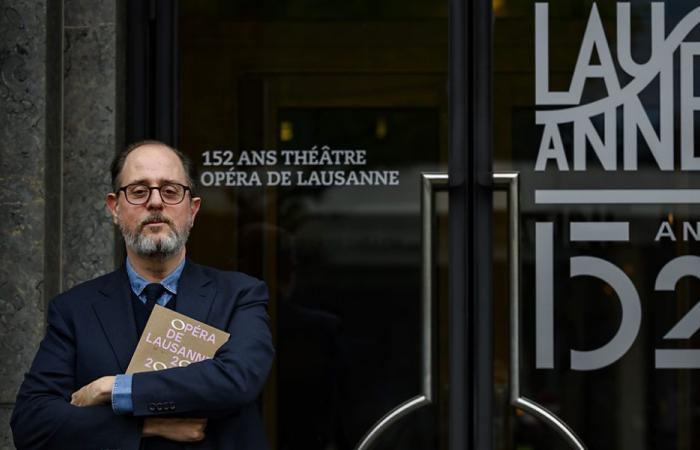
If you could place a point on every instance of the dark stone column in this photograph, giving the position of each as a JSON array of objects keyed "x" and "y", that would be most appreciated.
[
  {"x": 23, "y": 71},
  {"x": 90, "y": 137},
  {"x": 59, "y": 128}
]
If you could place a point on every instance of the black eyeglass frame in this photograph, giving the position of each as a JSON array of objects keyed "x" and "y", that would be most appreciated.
[{"x": 185, "y": 189}]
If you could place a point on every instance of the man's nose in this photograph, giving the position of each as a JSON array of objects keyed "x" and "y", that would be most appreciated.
[{"x": 155, "y": 200}]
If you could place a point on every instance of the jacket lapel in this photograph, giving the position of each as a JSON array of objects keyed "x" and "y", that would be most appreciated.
[
  {"x": 195, "y": 293},
  {"x": 115, "y": 313}
]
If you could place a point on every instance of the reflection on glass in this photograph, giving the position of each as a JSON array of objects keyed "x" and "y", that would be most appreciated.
[
  {"x": 342, "y": 260},
  {"x": 629, "y": 403}
]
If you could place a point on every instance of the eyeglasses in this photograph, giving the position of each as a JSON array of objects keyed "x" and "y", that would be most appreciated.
[{"x": 170, "y": 193}]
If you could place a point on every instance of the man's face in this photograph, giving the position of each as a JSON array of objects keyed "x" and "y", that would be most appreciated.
[{"x": 154, "y": 229}]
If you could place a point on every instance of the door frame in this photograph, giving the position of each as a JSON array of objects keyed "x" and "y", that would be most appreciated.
[{"x": 470, "y": 225}]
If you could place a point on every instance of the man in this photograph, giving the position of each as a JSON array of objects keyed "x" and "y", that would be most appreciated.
[{"x": 76, "y": 396}]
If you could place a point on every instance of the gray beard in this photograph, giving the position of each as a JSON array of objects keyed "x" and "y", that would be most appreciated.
[{"x": 158, "y": 248}]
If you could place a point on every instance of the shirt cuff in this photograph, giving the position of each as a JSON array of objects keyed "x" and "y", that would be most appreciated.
[{"x": 121, "y": 394}]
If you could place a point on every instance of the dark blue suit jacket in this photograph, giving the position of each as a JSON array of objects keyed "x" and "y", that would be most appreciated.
[{"x": 92, "y": 333}]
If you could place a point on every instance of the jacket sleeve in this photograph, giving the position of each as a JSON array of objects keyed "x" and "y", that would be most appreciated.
[
  {"x": 43, "y": 417},
  {"x": 223, "y": 384}
]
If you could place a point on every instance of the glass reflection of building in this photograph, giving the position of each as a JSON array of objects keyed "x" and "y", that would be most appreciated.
[{"x": 343, "y": 262}]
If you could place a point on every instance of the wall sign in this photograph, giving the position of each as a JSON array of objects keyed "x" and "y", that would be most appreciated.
[
  {"x": 596, "y": 135},
  {"x": 308, "y": 167},
  {"x": 624, "y": 100}
]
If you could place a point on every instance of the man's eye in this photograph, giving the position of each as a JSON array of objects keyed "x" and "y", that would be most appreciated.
[
  {"x": 171, "y": 191},
  {"x": 138, "y": 192}
]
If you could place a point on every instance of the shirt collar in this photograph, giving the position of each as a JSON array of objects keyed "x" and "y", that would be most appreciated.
[{"x": 138, "y": 283}]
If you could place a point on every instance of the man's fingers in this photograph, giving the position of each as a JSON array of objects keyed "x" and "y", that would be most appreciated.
[
  {"x": 79, "y": 397},
  {"x": 175, "y": 428},
  {"x": 196, "y": 429},
  {"x": 75, "y": 398},
  {"x": 96, "y": 393}
]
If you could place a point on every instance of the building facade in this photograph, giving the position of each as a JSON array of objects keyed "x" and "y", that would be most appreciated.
[{"x": 478, "y": 220}]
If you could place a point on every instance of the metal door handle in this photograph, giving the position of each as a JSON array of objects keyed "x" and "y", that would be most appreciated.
[
  {"x": 508, "y": 181},
  {"x": 430, "y": 182}
]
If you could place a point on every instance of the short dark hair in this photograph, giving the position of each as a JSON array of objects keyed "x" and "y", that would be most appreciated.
[{"x": 119, "y": 160}]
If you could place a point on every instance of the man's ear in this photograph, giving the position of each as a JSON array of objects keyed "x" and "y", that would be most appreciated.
[
  {"x": 112, "y": 202},
  {"x": 195, "y": 203}
]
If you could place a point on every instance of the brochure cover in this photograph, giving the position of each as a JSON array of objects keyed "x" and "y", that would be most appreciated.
[{"x": 171, "y": 339}]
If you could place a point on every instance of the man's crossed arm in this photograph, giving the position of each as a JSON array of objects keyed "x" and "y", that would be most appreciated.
[{"x": 180, "y": 429}]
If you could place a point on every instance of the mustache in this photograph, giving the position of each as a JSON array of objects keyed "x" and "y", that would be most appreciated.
[{"x": 157, "y": 217}]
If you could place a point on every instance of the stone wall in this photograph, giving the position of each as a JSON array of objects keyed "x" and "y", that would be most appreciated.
[
  {"x": 59, "y": 127},
  {"x": 89, "y": 136},
  {"x": 22, "y": 192}
]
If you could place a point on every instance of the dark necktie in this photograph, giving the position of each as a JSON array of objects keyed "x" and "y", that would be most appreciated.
[{"x": 152, "y": 292}]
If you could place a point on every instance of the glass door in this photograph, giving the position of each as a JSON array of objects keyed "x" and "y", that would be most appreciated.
[
  {"x": 568, "y": 315},
  {"x": 595, "y": 108},
  {"x": 310, "y": 124}
]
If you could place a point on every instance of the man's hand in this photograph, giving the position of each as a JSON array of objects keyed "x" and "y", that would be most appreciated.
[
  {"x": 99, "y": 392},
  {"x": 174, "y": 428}
]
